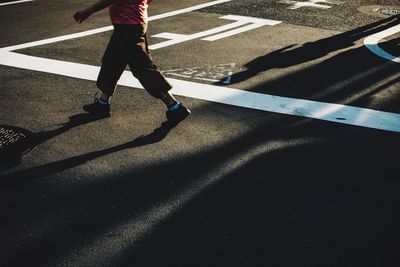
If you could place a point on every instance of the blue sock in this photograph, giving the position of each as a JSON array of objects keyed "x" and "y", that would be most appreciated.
[
  {"x": 174, "y": 106},
  {"x": 103, "y": 102}
]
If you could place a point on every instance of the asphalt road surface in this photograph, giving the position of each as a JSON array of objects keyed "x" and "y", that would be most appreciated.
[{"x": 289, "y": 158}]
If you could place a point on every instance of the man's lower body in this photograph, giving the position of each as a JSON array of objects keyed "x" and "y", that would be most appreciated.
[{"x": 128, "y": 47}]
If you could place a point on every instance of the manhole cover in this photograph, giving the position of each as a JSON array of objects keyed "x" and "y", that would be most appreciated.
[
  {"x": 389, "y": 11},
  {"x": 15, "y": 141}
]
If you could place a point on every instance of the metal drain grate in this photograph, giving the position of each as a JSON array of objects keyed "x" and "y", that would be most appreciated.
[
  {"x": 389, "y": 11},
  {"x": 15, "y": 141}
]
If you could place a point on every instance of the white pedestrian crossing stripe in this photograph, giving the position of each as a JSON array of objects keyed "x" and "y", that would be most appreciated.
[{"x": 277, "y": 104}]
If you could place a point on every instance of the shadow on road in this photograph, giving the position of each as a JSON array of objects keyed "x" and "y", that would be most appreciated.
[
  {"x": 306, "y": 203},
  {"x": 41, "y": 137},
  {"x": 289, "y": 56},
  {"x": 288, "y": 192},
  {"x": 44, "y": 170}
]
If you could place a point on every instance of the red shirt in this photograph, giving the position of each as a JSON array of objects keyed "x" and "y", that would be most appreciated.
[{"x": 129, "y": 11}]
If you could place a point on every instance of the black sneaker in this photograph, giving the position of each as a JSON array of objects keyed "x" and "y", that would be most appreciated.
[
  {"x": 178, "y": 114},
  {"x": 98, "y": 109}
]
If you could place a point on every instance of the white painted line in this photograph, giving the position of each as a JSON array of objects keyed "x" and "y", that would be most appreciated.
[
  {"x": 234, "y": 32},
  {"x": 371, "y": 42},
  {"x": 326, "y": 2},
  {"x": 57, "y": 39},
  {"x": 255, "y": 23},
  {"x": 240, "y": 21},
  {"x": 180, "y": 38},
  {"x": 108, "y": 28},
  {"x": 187, "y": 10},
  {"x": 210, "y": 73},
  {"x": 15, "y": 2},
  {"x": 311, "y": 3},
  {"x": 193, "y": 77},
  {"x": 247, "y": 19},
  {"x": 284, "y": 105}
]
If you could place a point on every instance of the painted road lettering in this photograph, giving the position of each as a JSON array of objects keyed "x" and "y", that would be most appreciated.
[
  {"x": 322, "y": 4},
  {"x": 221, "y": 73},
  {"x": 241, "y": 24}
]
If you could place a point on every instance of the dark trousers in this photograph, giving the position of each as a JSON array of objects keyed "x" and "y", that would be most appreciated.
[{"x": 128, "y": 46}]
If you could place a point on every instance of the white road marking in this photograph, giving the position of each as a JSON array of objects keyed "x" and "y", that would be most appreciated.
[
  {"x": 371, "y": 42},
  {"x": 15, "y": 2},
  {"x": 312, "y": 109},
  {"x": 254, "y": 23},
  {"x": 56, "y": 39},
  {"x": 284, "y": 105},
  {"x": 180, "y": 38},
  {"x": 297, "y": 4},
  {"x": 193, "y": 77},
  {"x": 189, "y": 9},
  {"x": 108, "y": 28},
  {"x": 210, "y": 73},
  {"x": 240, "y": 21}
]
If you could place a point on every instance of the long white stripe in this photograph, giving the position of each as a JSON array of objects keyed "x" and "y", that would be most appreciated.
[
  {"x": 284, "y": 105},
  {"x": 15, "y": 2},
  {"x": 107, "y": 28},
  {"x": 371, "y": 42},
  {"x": 57, "y": 39}
]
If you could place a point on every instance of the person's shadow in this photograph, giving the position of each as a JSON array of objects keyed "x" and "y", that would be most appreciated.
[
  {"x": 74, "y": 121},
  {"x": 289, "y": 56},
  {"x": 11, "y": 156}
]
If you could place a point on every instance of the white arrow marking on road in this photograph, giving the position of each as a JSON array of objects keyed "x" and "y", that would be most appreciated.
[
  {"x": 284, "y": 105},
  {"x": 15, "y": 2},
  {"x": 371, "y": 42},
  {"x": 240, "y": 21}
]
